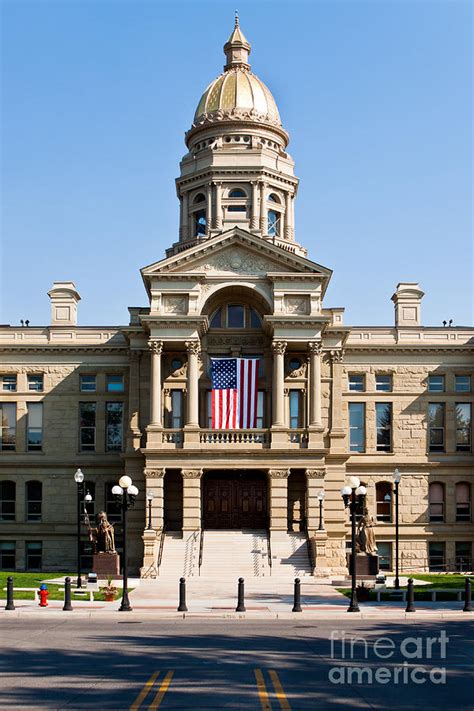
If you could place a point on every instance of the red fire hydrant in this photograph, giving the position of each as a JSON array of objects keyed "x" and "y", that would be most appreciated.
[{"x": 43, "y": 595}]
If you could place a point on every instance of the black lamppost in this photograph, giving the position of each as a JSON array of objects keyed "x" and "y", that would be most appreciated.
[
  {"x": 125, "y": 493},
  {"x": 353, "y": 496},
  {"x": 79, "y": 479},
  {"x": 396, "y": 479},
  {"x": 149, "y": 497},
  {"x": 321, "y": 496}
]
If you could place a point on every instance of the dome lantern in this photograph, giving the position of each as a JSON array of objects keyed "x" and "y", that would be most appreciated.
[{"x": 237, "y": 49}]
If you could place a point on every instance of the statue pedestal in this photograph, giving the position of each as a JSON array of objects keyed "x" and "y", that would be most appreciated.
[
  {"x": 365, "y": 564},
  {"x": 106, "y": 565}
]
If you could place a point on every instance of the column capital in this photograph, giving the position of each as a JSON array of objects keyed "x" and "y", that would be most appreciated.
[
  {"x": 279, "y": 347},
  {"x": 156, "y": 346},
  {"x": 191, "y": 473},
  {"x": 154, "y": 473},
  {"x": 315, "y": 347},
  {"x": 337, "y": 356},
  {"x": 278, "y": 473},
  {"x": 315, "y": 473},
  {"x": 193, "y": 347}
]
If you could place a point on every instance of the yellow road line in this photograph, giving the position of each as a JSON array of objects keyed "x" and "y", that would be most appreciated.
[
  {"x": 262, "y": 691},
  {"x": 144, "y": 692},
  {"x": 161, "y": 691},
  {"x": 280, "y": 694}
]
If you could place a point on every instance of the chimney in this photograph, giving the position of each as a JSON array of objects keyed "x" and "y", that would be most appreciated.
[
  {"x": 64, "y": 298},
  {"x": 407, "y": 300}
]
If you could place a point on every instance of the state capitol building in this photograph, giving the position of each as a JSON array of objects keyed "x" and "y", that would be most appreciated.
[{"x": 332, "y": 400}]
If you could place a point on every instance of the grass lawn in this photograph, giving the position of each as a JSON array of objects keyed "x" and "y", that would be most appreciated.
[
  {"x": 34, "y": 580},
  {"x": 447, "y": 582}
]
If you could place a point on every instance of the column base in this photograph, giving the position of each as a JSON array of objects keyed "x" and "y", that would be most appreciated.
[
  {"x": 150, "y": 540},
  {"x": 338, "y": 443},
  {"x": 316, "y": 437},
  {"x": 191, "y": 435},
  {"x": 279, "y": 435}
]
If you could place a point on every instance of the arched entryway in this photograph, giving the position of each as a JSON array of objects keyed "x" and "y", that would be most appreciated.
[{"x": 234, "y": 500}]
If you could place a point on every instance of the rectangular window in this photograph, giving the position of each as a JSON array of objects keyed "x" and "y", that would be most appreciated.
[
  {"x": 9, "y": 383},
  {"x": 7, "y": 426},
  {"x": 356, "y": 382},
  {"x": 261, "y": 410},
  {"x": 436, "y": 383},
  {"x": 35, "y": 383},
  {"x": 463, "y": 556},
  {"x": 463, "y": 426},
  {"x": 462, "y": 383},
  {"x": 385, "y": 555},
  {"x": 7, "y": 500},
  {"x": 383, "y": 383},
  {"x": 357, "y": 427},
  {"x": 34, "y": 500},
  {"x": 463, "y": 501},
  {"x": 177, "y": 400},
  {"x": 34, "y": 555},
  {"x": 383, "y": 416},
  {"x": 7, "y": 555},
  {"x": 296, "y": 409},
  {"x": 87, "y": 383},
  {"x": 436, "y": 427},
  {"x": 436, "y": 556},
  {"x": 235, "y": 316},
  {"x": 34, "y": 440},
  {"x": 87, "y": 426},
  {"x": 115, "y": 384},
  {"x": 114, "y": 426}
]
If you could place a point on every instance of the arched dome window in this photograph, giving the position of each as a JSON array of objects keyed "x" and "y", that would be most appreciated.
[
  {"x": 200, "y": 223},
  {"x": 199, "y": 198},
  {"x": 273, "y": 223},
  {"x": 273, "y": 198},
  {"x": 237, "y": 193},
  {"x": 235, "y": 316}
]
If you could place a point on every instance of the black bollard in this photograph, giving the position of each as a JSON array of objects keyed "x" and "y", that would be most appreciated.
[
  {"x": 467, "y": 597},
  {"x": 410, "y": 597},
  {"x": 67, "y": 595},
  {"x": 182, "y": 595},
  {"x": 240, "y": 597},
  {"x": 297, "y": 596},
  {"x": 10, "y": 604}
]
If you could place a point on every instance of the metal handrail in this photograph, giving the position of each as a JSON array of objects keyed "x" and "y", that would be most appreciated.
[
  {"x": 160, "y": 549},
  {"x": 312, "y": 561},
  {"x": 269, "y": 550},
  {"x": 201, "y": 546}
]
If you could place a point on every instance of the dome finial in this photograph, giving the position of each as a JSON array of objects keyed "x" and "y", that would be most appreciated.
[{"x": 237, "y": 49}]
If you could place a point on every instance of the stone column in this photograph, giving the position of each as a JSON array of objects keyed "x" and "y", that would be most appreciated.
[
  {"x": 154, "y": 480},
  {"x": 134, "y": 433},
  {"x": 156, "y": 348},
  {"x": 191, "y": 499},
  {"x": 278, "y": 480},
  {"x": 209, "y": 220},
  {"x": 263, "y": 209},
  {"x": 315, "y": 350},
  {"x": 184, "y": 231},
  {"x": 254, "y": 210},
  {"x": 278, "y": 348},
  {"x": 192, "y": 411},
  {"x": 288, "y": 232},
  {"x": 218, "y": 215},
  {"x": 337, "y": 432}
]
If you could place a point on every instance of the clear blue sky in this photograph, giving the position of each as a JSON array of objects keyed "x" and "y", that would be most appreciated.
[{"x": 97, "y": 96}]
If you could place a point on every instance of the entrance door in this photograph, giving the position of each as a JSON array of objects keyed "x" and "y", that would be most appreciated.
[{"x": 236, "y": 500}]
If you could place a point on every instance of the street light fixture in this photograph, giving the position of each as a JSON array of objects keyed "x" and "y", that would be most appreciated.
[
  {"x": 149, "y": 497},
  {"x": 79, "y": 479},
  {"x": 321, "y": 496},
  {"x": 125, "y": 493},
  {"x": 353, "y": 496},
  {"x": 396, "y": 479}
]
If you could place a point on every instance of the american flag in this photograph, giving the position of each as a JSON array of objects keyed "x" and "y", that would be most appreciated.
[{"x": 234, "y": 393}]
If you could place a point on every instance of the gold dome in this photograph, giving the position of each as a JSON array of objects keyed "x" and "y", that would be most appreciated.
[{"x": 238, "y": 88}]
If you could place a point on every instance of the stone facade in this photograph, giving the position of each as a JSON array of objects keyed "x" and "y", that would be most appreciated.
[{"x": 235, "y": 283}]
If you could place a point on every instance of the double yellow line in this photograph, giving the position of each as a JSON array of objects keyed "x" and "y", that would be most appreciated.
[
  {"x": 263, "y": 693},
  {"x": 148, "y": 687}
]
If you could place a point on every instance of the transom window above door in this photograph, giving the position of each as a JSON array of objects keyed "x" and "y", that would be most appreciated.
[{"x": 235, "y": 316}]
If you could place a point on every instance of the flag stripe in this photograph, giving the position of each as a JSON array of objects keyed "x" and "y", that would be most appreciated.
[{"x": 234, "y": 394}]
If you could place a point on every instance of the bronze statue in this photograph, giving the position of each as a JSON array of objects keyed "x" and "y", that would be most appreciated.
[
  {"x": 366, "y": 535},
  {"x": 102, "y": 537}
]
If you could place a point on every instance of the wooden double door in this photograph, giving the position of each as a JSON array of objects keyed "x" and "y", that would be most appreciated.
[{"x": 235, "y": 500}]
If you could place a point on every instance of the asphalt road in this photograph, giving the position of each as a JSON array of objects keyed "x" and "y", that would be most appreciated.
[{"x": 236, "y": 664}]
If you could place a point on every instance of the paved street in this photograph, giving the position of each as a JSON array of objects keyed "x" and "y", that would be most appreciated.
[{"x": 234, "y": 664}]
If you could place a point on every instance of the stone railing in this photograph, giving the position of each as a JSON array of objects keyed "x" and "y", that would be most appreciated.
[
  {"x": 172, "y": 437},
  {"x": 246, "y": 437},
  {"x": 298, "y": 438}
]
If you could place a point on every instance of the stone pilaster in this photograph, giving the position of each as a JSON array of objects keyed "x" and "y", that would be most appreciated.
[
  {"x": 191, "y": 499},
  {"x": 337, "y": 432},
  {"x": 184, "y": 228},
  {"x": 279, "y": 436},
  {"x": 263, "y": 209},
  {"x": 315, "y": 426},
  {"x": 314, "y": 484},
  {"x": 156, "y": 348},
  {"x": 134, "y": 432},
  {"x": 192, "y": 405},
  {"x": 218, "y": 215},
  {"x": 278, "y": 480},
  {"x": 209, "y": 218},
  {"x": 254, "y": 211},
  {"x": 154, "y": 480}
]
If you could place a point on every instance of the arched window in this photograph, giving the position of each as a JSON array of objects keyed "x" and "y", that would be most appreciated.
[
  {"x": 235, "y": 316},
  {"x": 273, "y": 198},
  {"x": 436, "y": 502},
  {"x": 383, "y": 498},
  {"x": 273, "y": 223},
  {"x": 463, "y": 501},
  {"x": 34, "y": 500},
  {"x": 199, "y": 198},
  {"x": 200, "y": 223},
  {"x": 7, "y": 500},
  {"x": 237, "y": 193}
]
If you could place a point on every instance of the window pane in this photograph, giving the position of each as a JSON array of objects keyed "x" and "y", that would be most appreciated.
[
  {"x": 383, "y": 414},
  {"x": 200, "y": 223},
  {"x": 235, "y": 316},
  {"x": 462, "y": 383},
  {"x": 383, "y": 383},
  {"x": 436, "y": 556},
  {"x": 216, "y": 321},
  {"x": 273, "y": 223},
  {"x": 87, "y": 414},
  {"x": 237, "y": 193},
  {"x": 295, "y": 396},
  {"x": 35, "y": 426},
  {"x": 88, "y": 383},
  {"x": 436, "y": 383},
  {"x": 356, "y": 427},
  {"x": 356, "y": 382},
  {"x": 436, "y": 414},
  {"x": 115, "y": 384},
  {"x": 35, "y": 382},
  {"x": 7, "y": 425},
  {"x": 254, "y": 319},
  {"x": 114, "y": 426},
  {"x": 34, "y": 554},
  {"x": 7, "y": 555},
  {"x": 176, "y": 409},
  {"x": 463, "y": 426},
  {"x": 9, "y": 383},
  {"x": 34, "y": 495},
  {"x": 385, "y": 555},
  {"x": 260, "y": 409},
  {"x": 7, "y": 500}
]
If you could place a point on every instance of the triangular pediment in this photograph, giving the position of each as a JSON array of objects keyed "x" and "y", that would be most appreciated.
[{"x": 235, "y": 252}]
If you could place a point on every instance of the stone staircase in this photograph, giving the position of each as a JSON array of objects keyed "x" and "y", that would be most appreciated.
[
  {"x": 228, "y": 555},
  {"x": 289, "y": 555},
  {"x": 180, "y": 555}
]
